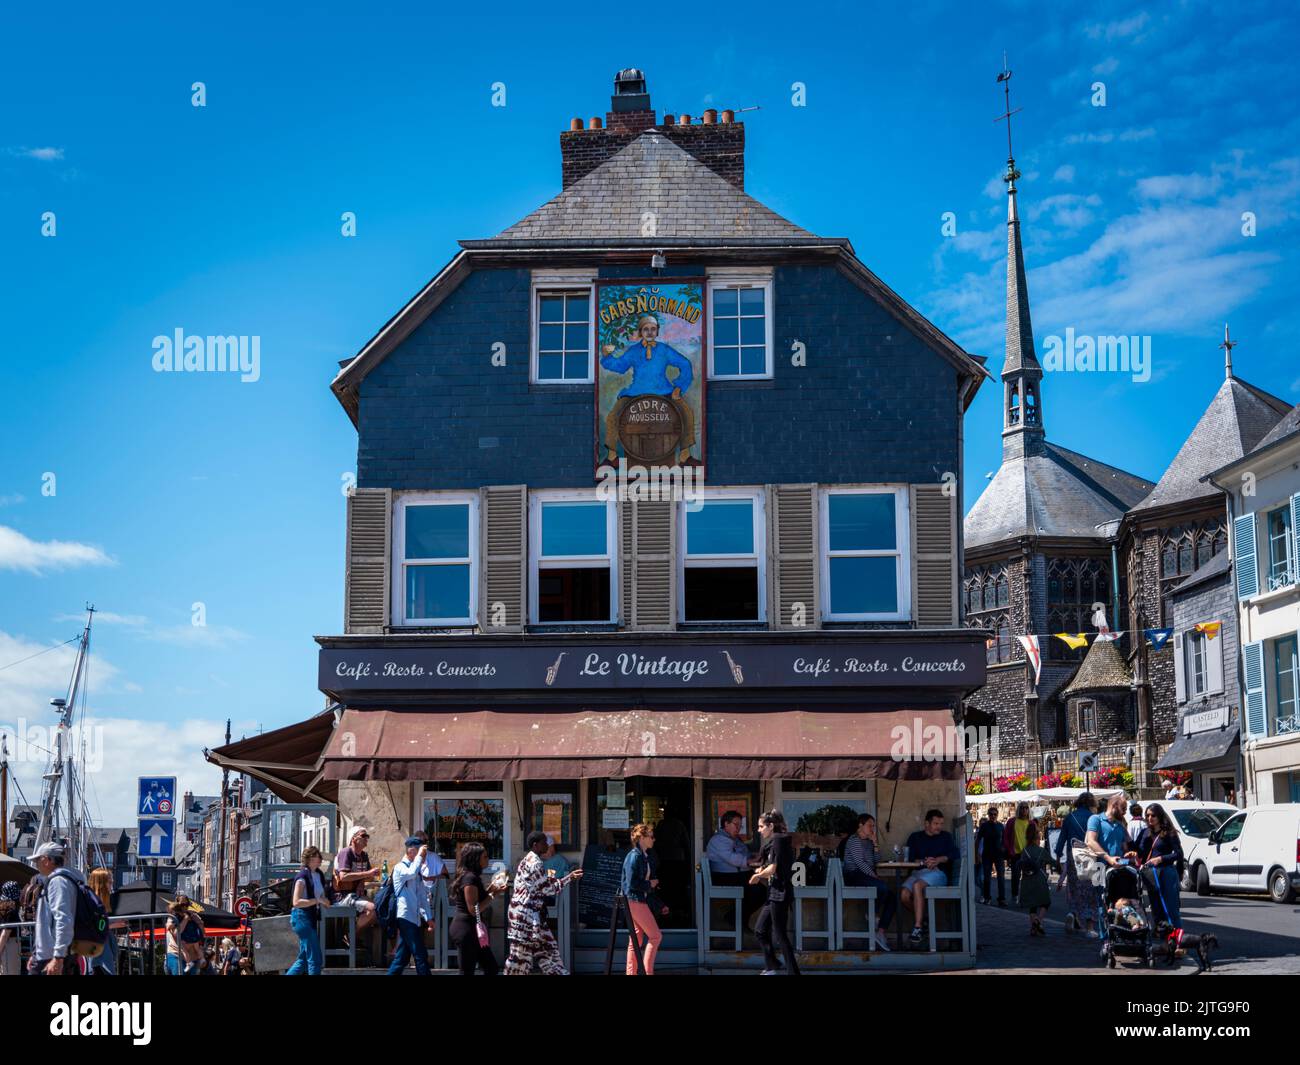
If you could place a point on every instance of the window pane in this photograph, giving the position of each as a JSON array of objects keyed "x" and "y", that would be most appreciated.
[
  {"x": 573, "y": 595},
  {"x": 575, "y": 338},
  {"x": 577, "y": 308},
  {"x": 573, "y": 529},
  {"x": 726, "y": 361},
  {"x": 753, "y": 360},
  {"x": 751, "y": 301},
  {"x": 550, "y": 367},
  {"x": 551, "y": 308},
  {"x": 864, "y": 586},
  {"x": 727, "y": 593},
  {"x": 576, "y": 367},
  {"x": 726, "y": 331},
  {"x": 723, "y": 527},
  {"x": 437, "y": 531},
  {"x": 752, "y": 331},
  {"x": 452, "y": 821},
  {"x": 862, "y": 522},
  {"x": 437, "y": 591},
  {"x": 550, "y": 337},
  {"x": 724, "y": 301}
]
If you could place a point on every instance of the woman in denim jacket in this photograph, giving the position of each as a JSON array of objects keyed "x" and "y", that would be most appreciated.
[{"x": 638, "y": 886}]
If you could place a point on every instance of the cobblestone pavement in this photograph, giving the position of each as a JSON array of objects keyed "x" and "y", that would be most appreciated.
[{"x": 1255, "y": 936}]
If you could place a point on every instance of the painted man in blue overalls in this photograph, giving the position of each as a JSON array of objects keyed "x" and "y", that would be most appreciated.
[{"x": 649, "y": 360}]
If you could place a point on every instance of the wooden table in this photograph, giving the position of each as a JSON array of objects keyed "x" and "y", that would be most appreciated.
[{"x": 898, "y": 868}]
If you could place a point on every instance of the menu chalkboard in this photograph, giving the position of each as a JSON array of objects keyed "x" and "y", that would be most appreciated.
[{"x": 602, "y": 873}]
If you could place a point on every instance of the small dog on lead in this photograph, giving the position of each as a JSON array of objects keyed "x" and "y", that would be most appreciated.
[{"x": 1198, "y": 947}]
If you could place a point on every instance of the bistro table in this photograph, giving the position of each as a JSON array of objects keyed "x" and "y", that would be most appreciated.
[{"x": 898, "y": 869}]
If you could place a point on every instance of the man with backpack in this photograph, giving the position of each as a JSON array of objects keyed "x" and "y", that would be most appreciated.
[{"x": 65, "y": 915}]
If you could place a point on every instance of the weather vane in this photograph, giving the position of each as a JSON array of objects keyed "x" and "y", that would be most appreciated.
[{"x": 1004, "y": 79}]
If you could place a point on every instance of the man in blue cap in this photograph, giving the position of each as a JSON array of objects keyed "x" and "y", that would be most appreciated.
[{"x": 414, "y": 909}]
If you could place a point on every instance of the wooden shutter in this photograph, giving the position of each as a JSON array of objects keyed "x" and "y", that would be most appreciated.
[
  {"x": 503, "y": 528},
  {"x": 1214, "y": 662},
  {"x": 1252, "y": 682},
  {"x": 649, "y": 580},
  {"x": 1243, "y": 556},
  {"x": 369, "y": 550},
  {"x": 934, "y": 551},
  {"x": 793, "y": 566},
  {"x": 1180, "y": 667},
  {"x": 626, "y": 581}
]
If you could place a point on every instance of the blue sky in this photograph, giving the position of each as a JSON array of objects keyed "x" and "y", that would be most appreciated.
[{"x": 173, "y": 490}]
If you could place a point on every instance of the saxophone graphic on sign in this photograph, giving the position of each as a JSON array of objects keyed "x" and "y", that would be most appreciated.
[
  {"x": 735, "y": 668},
  {"x": 553, "y": 669}
]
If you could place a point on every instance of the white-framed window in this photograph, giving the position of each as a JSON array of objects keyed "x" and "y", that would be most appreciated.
[
  {"x": 824, "y": 811},
  {"x": 563, "y": 329},
  {"x": 865, "y": 559},
  {"x": 740, "y": 327},
  {"x": 723, "y": 575},
  {"x": 435, "y": 551},
  {"x": 453, "y": 815},
  {"x": 573, "y": 575},
  {"x": 1281, "y": 565}
]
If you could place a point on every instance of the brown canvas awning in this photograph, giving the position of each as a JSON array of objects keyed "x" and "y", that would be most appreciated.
[
  {"x": 499, "y": 745},
  {"x": 288, "y": 760}
]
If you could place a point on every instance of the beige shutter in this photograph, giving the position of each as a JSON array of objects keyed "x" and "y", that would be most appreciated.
[
  {"x": 503, "y": 555},
  {"x": 626, "y": 583},
  {"x": 366, "y": 583},
  {"x": 649, "y": 581},
  {"x": 934, "y": 553},
  {"x": 793, "y": 569}
]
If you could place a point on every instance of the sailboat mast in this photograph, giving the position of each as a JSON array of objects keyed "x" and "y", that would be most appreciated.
[{"x": 62, "y": 773}]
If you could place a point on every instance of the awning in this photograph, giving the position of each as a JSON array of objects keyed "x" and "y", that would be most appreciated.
[
  {"x": 522, "y": 745},
  {"x": 288, "y": 760},
  {"x": 1203, "y": 747}
]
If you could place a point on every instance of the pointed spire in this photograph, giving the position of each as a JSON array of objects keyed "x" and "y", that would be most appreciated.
[
  {"x": 1227, "y": 346},
  {"x": 1022, "y": 427}
]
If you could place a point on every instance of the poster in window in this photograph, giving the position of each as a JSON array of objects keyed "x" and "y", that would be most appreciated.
[
  {"x": 721, "y": 802},
  {"x": 552, "y": 812},
  {"x": 650, "y": 376},
  {"x": 616, "y": 793}
]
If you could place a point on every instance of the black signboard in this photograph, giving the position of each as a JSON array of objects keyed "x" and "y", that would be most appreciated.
[
  {"x": 592, "y": 666},
  {"x": 602, "y": 874}
]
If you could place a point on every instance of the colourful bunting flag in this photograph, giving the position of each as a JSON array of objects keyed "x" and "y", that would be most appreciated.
[
  {"x": 1074, "y": 642},
  {"x": 1158, "y": 637},
  {"x": 1033, "y": 653},
  {"x": 1210, "y": 628}
]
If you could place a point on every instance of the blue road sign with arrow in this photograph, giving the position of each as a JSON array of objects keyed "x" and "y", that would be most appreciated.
[
  {"x": 157, "y": 797},
  {"x": 158, "y": 837}
]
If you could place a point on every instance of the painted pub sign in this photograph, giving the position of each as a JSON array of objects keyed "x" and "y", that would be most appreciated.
[{"x": 650, "y": 376}]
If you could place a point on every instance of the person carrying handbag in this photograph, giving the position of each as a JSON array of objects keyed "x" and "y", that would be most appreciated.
[{"x": 469, "y": 904}]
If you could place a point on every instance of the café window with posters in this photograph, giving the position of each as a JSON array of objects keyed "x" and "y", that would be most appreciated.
[
  {"x": 573, "y": 569},
  {"x": 865, "y": 571},
  {"x": 453, "y": 815},
  {"x": 723, "y": 554},
  {"x": 552, "y": 807},
  {"x": 435, "y": 544}
]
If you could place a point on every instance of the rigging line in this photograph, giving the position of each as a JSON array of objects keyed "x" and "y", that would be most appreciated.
[{"x": 39, "y": 653}]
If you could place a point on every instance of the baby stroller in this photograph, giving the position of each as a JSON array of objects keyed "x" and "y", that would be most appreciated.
[{"x": 1131, "y": 933}]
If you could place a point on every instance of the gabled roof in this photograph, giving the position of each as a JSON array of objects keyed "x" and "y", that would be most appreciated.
[
  {"x": 1288, "y": 425},
  {"x": 651, "y": 175},
  {"x": 1237, "y": 419},
  {"x": 1058, "y": 493},
  {"x": 1103, "y": 669}
]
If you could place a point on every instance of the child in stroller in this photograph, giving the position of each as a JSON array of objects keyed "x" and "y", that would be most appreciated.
[{"x": 1129, "y": 931}]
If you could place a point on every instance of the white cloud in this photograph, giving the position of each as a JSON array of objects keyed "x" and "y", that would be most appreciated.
[
  {"x": 107, "y": 617},
  {"x": 209, "y": 636},
  {"x": 1064, "y": 173},
  {"x": 17, "y": 552},
  {"x": 45, "y": 155},
  {"x": 1121, "y": 29},
  {"x": 12, "y": 500}
]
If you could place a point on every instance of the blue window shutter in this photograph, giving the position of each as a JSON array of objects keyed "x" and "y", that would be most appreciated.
[
  {"x": 1243, "y": 556},
  {"x": 1252, "y": 680},
  {"x": 1295, "y": 535}
]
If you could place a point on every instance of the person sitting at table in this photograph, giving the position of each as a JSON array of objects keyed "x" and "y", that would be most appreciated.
[
  {"x": 731, "y": 863},
  {"x": 861, "y": 852},
  {"x": 933, "y": 848},
  {"x": 353, "y": 870},
  {"x": 555, "y": 863}
]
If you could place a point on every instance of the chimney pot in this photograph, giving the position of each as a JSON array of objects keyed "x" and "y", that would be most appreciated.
[
  {"x": 575, "y": 123},
  {"x": 669, "y": 118},
  {"x": 594, "y": 123},
  {"x": 710, "y": 117},
  {"x": 685, "y": 120},
  {"x": 728, "y": 117}
]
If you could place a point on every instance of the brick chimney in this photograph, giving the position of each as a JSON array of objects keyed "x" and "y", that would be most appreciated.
[{"x": 719, "y": 145}]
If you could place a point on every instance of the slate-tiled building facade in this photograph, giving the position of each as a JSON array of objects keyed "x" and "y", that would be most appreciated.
[{"x": 808, "y": 599}]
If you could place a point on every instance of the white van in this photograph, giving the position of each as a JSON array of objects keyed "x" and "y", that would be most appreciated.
[{"x": 1256, "y": 850}]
